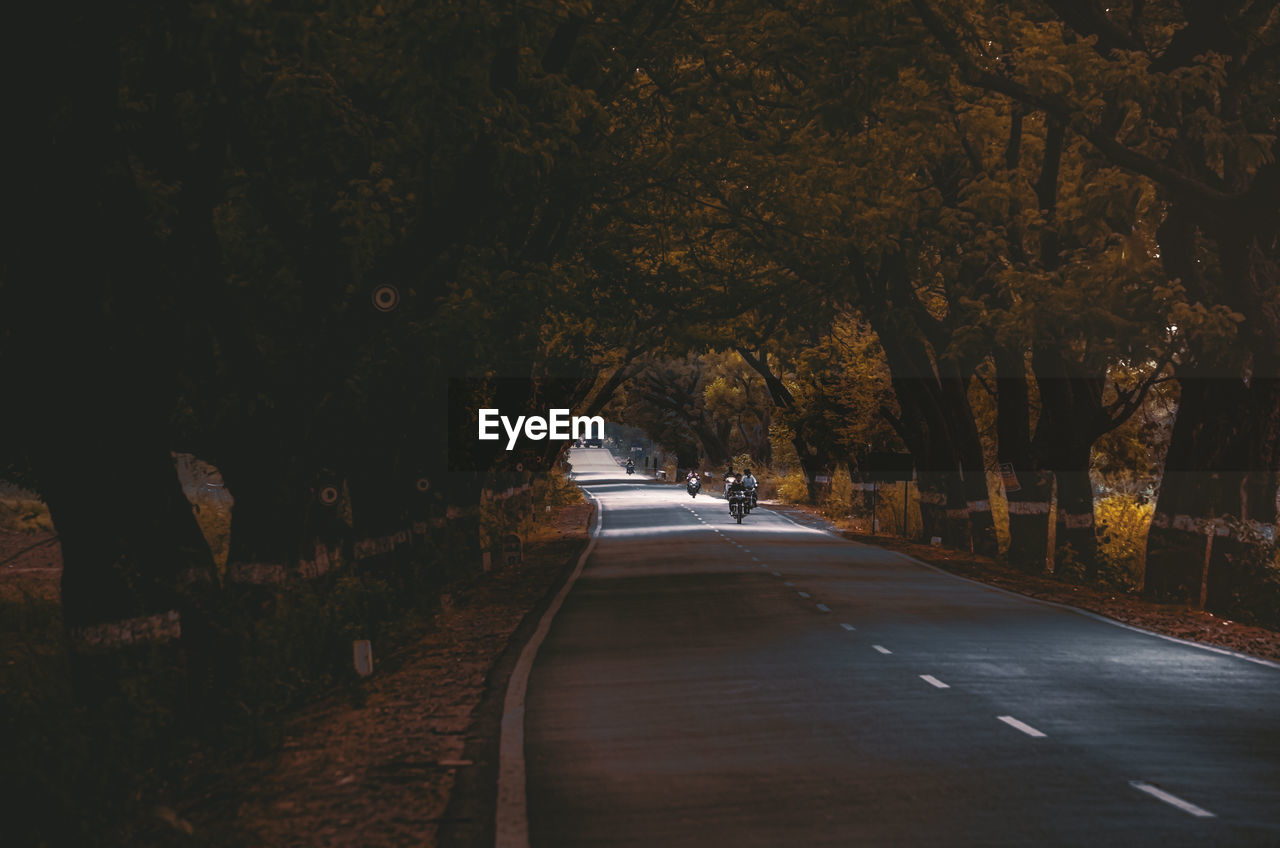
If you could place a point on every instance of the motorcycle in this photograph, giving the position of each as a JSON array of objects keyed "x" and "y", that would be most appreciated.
[
  {"x": 693, "y": 486},
  {"x": 631, "y": 469},
  {"x": 738, "y": 501},
  {"x": 750, "y": 493}
]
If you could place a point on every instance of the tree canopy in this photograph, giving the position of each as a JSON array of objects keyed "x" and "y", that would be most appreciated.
[{"x": 290, "y": 238}]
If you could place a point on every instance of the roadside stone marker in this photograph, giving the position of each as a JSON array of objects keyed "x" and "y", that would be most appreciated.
[{"x": 362, "y": 649}]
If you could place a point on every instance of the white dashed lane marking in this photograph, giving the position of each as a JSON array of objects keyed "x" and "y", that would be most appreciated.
[
  {"x": 1168, "y": 798},
  {"x": 823, "y": 608},
  {"x": 846, "y": 626},
  {"x": 933, "y": 681},
  {"x": 803, "y": 594},
  {"x": 882, "y": 649},
  {"x": 1021, "y": 725}
]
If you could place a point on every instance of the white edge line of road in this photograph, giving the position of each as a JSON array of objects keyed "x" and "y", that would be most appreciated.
[
  {"x": 511, "y": 819},
  {"x": 1226, "y": 652}
]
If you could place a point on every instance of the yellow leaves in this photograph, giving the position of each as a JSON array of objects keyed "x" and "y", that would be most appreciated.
[{"x": 1123, "y": 522}]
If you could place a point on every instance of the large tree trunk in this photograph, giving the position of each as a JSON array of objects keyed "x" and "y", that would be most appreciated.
[
  {"x": 811, "y": 463},
  {"x": 1029, "y": 519},
  {"x": 714, "y": 444},
  {"x": 942, "y": 511},
  {"x": 936, "y": 421},
  {"x": 380, "y": 503},
  {"x": 131, "y": 547},
  {"x": 83, "y": 301},
  {"x": 936, "y": 424},
  {"x": 974, "y": 504},
  {"x": 1032, "y": 488},
  {"x": 1213, "y": 529},
  {"x": 1072, "y": 418},
  {"x": 1075, "y": 524},
  {"x": 273, "y": 497},
  {"x": 1213, "y": 534}
]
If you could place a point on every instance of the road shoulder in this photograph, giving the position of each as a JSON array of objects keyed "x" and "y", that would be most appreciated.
[{"x": 416, "y": 763}]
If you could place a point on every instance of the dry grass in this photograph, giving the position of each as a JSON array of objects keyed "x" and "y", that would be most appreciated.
[{"x": 24, "y": 515}]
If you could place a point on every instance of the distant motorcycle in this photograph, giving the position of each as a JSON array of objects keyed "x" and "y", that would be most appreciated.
[
  {"x": 631, "y": 469},
  {"x": 738, "y": 501},
  {"x": 693, "y": 486}
]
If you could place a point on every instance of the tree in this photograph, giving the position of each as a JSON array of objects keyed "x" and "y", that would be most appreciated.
[{"x": 1183, "y": 94}]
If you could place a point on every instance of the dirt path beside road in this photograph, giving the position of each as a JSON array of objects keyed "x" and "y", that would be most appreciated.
[{"x": 383, "y": 773}]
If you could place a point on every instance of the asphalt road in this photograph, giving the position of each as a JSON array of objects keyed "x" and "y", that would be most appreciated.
[{"x": 707, "y": 683}]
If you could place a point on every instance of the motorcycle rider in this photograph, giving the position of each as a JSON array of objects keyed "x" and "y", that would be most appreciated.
[
  {"x": 631, "y": 465},
  {"x": 749, "y": 483},
  {"x": 692, "y": 482},
  {"x": 732, "y": 483},
  {"x": 734, "y": 492}
]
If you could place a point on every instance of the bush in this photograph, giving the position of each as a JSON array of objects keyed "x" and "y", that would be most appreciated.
[
  {"x": 838, "y": 501},
  {"x": 768, "y": 488},
  {"x": 793, "y": 488},
  {"x": 555, "y": 489},
  {"x": 25, "y": 515},
  {"x": 1123, "y": 521}
]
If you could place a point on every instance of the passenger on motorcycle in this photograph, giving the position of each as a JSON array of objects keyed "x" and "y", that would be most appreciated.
[{"x": 750, "y": 483}]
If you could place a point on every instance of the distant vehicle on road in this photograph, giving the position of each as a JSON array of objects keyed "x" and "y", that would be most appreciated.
[{"x": 595, "y": 443}]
